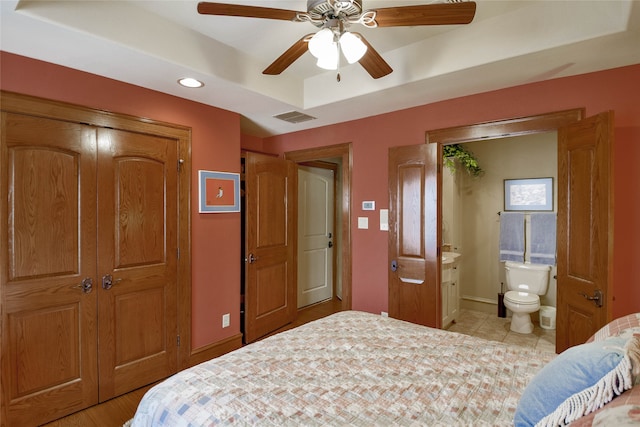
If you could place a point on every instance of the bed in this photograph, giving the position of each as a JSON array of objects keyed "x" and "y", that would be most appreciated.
[{"x": 360, "y": 369}]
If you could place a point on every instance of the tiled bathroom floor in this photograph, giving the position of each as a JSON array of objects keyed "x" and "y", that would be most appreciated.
[{"x": 496, "y": 328}]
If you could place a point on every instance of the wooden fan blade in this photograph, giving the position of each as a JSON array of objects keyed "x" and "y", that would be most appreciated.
[
  {"x": 428, "y": 14},
  {"x": 207, "y": 8},
  {"x": 375, "y": 65},
  {"x": 289, "y": 57}
]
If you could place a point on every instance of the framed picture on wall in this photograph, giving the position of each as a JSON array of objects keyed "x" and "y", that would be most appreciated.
[
  {"x": 532, "y": 194},
  {"x": 218, "y": 192}
]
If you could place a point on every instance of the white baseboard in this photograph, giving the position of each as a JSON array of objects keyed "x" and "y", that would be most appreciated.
[
  {"x": 484, "y": 305},
  {"x": 480, "y": 299}
]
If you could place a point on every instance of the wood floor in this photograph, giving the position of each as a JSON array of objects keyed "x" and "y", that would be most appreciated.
[{"x": 117, "y": 411}]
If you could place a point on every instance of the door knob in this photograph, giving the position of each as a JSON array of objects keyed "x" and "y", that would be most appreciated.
[
  {"x": 251, "y": 259},
  {"x": 394, "y": 265},
  {"x": 330, "y": 244}
]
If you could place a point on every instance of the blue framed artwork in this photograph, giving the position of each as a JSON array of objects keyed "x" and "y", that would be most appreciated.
[
  {"x": 533, "y": 194},
  {"x": 218, "y": 192}
]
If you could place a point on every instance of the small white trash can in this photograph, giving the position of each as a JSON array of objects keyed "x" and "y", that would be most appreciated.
[{"x": 547, "y": 317}]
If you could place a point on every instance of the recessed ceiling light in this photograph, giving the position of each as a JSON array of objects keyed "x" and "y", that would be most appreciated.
[{"x": 190, "y": 82}]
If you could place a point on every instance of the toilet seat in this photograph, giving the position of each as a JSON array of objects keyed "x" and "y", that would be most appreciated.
[{"x": 522, "y": 298}]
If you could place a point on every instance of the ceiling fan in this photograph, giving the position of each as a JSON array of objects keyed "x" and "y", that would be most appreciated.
[{"x": 334, "y": 17}]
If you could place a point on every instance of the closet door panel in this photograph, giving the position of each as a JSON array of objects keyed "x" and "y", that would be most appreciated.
[
  {"x": 137, "y": 258},
  {"x": 48, "y": 316},
  {"x": 43, "y": 180}
]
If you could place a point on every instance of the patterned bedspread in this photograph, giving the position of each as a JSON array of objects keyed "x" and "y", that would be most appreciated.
[{"x": 351, "y": 368}]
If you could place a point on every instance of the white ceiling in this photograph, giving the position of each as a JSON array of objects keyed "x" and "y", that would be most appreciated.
[{"x": 153, "y": 43}]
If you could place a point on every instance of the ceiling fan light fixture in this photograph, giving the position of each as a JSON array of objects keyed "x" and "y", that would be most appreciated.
[
  {"x": 329, "y": 58},
  {"x": 321, "y": 43},
  {"x": 353, "y": 48}
]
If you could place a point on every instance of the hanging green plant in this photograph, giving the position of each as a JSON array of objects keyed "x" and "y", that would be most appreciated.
[{"x": 450, "y": 153}]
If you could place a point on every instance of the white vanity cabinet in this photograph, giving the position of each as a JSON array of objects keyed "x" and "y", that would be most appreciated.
[{"x": 450, "y": 290}]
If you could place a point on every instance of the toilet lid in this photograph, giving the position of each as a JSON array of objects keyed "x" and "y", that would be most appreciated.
[{"x": 518, "y": 297}]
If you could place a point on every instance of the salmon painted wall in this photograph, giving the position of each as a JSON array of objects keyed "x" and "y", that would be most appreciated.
[
  {"x": 252, "y": 143},
  {"x": 371, "y": 138},
  {"x": 215, "y": 145}
]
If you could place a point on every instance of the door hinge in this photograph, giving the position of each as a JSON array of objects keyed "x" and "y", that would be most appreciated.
[
  {"x": 180, "y": 163},
  {"x": 177, "y": 340},
  {"x": 178, "y": 253}
]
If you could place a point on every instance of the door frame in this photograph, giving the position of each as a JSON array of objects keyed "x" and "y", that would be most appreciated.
[
  {"x": 42, "y": 107},
  {"x": 507, "y": 128},
  {"x": 345, "y": 152}
]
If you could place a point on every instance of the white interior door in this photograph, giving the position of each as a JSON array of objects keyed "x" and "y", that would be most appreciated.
[{"x": 315, "y": 234}]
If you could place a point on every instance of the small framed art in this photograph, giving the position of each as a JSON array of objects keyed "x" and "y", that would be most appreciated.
[
  {"x": 533, "y": 194},
  {"x": 218, "y": 192}
]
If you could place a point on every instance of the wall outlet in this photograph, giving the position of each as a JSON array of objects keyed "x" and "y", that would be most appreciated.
[{"x": 226, "y": 320}]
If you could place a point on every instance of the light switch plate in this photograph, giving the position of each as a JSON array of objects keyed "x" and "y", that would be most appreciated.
[
  {"x": 363, "y": 222},
  {"x": 384, "y": 219}
]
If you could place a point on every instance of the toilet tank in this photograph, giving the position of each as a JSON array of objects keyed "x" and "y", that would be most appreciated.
[{"x": 533, "y": 278}]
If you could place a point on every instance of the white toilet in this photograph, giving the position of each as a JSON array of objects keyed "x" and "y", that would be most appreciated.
[{"x": 526, "y": 282}]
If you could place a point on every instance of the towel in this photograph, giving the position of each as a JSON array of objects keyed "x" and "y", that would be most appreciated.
[
  {"x": 512, "y": 236},
  {"x": 543, "y": 238}
]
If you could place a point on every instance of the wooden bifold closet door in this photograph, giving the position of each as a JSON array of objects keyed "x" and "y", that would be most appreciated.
[{"x": 89, "y": 272}]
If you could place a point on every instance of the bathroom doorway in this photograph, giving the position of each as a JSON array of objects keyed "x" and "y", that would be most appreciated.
[
  {"x": 471, "y": 209},
  {"x": 585, "y": 210}
]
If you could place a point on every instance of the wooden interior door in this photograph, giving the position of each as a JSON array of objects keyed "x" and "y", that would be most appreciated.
[
  {"x": 585, "y": 228},
  {"x": 49, "y": 353},
  {"x": 270, "y": 258},
  {"x": 137, "y": 260},
  {"x": 414, "y": 277}
]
